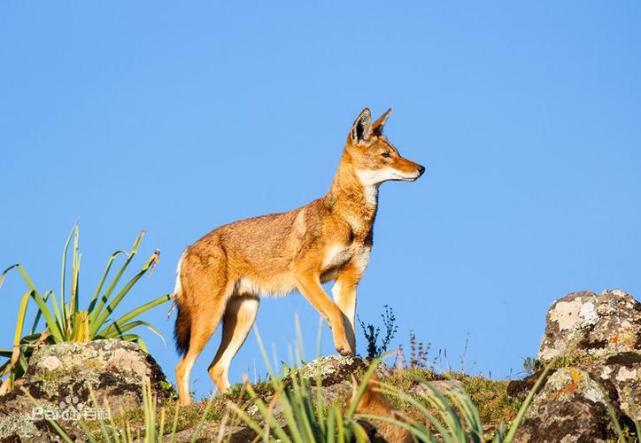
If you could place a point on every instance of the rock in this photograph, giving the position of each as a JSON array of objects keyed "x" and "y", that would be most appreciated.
[
  {"x": 332, "y": 369},
  {"x": 335, "y": 372},
  {"x": 623, "y": 372},
  {"x": 520, "y": 388},
  {"x": 571, "y": 407},
  {"x": 209, "y": 432},
  {"x": 443, "y": 386},
  {"x": 586, "y": 326},
  {"x": 595, "y": 344},
  {"x": 61, "y": 378}
]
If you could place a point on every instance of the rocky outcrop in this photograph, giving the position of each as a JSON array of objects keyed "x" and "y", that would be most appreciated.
[
  {"x": 585, "y": 325},
  {"x": 571, "y": 407},
  {"x": 593, "y": 342},
  {"x": 73, "y": 381}
]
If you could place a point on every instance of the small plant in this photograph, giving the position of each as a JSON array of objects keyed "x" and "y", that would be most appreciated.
[
  {"x": 530, "y": 365},
  {"x": 372, "y": 333},
  {"x": 419, "y": 352},
  {"x": 65, "y": 321}
]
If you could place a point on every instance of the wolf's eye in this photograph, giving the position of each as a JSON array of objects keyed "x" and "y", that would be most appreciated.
[{"x": 386, "y": 154}]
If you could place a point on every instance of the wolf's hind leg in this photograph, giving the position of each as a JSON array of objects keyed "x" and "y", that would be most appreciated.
[
  {"x": 207, "y": 301},
  {"x": 238, "y": 319}
]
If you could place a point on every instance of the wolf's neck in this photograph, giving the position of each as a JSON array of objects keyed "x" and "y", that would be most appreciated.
[{"x": 351, "y": 199}]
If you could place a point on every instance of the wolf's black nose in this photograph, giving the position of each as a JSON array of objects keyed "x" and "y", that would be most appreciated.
[{"x": 421, "y": 169}]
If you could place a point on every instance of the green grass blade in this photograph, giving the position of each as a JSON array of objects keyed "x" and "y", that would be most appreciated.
[
  {"x": 509, "y": 437},
  {"x": 427, "y": 415},
  {"x": 56, "y": 427},
  {"x": 120, "y": 330},
  {"x": 38, "y": 316},
  {"x": 52, "y": 326},
  {"x": 25, "y": 276},
  {"x": 63, "y": 279},
  {"x": 361, "y": 388},
  {"x": 75, "y": 272},
  {"x": 4, "y": 367},
  {"x": 103, "y": 427},
  {"x": 299, "y": 403},
  {"x": 161, "y": 425},
  {"x": 17, "y": 337},
  {"x": 88, "y": 435},
  {"x": 616, "y": 424},
  {"x": 449, "y": 415},
  {"x": 49, "y": 296},
  {"x": 263, "y": 352},
  {"x": 291, "y": 422},
  {"x": 423, "y": 434},
  {"x": 359, "y": 433},
  {"x": 99, "y": 320},
  {"x": 201, "y": 422},
  {"x": 134, "y": 313},
  {"x": 300, "y": 349},
  {"x": 135, "y": 338},
  {"x": 174, "y": 425},
  {"x": 102, "y": 300},
  {"x": 267, "y": 414},
  {"x": 330, "y": 425},
  {"x": 103, "y": 279},
  {"x": 340, "y": 425},
  {"x": 253, "y": 424},
  {"x": 149, "y": 407},
  {"x": 22, "y": 361}
]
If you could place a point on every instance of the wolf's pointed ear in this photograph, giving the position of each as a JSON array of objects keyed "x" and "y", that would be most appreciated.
[
  {"x": 362, "y": 128},
  {"x": 377, "y": 126}
]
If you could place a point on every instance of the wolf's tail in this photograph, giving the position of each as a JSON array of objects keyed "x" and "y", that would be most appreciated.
[{"x": 182, "y": 328}]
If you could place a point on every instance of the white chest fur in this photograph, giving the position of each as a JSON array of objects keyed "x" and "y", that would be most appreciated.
[{"x": 337, "y": 255}]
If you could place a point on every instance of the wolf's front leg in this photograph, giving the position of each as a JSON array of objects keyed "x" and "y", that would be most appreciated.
[
  {"x": 309, "y": 285},
  {"x": 344, "y": 293}
]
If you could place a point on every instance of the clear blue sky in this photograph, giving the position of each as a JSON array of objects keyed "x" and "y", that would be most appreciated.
[{"x": 178, "y": 118}]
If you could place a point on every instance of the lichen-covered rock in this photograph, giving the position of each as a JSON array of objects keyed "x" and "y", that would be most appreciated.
[
  {"x": 623, "y": 372},
  {"x": 585, "y": 325},
  {"x": 594, "y": 344},
  {"x": 332, "y": 369},
  {"x": 210, "y": 432},
  {"x": 571, "y": 407},
  {"x": 443, "y": 386},
  {"x": 62, "y": 379},
  {"x": 334, "y": 373}
]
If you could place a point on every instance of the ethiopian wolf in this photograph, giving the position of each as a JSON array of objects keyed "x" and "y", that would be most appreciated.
[{"x": 222, "y": 275}]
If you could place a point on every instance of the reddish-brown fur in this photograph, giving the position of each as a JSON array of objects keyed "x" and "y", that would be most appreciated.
[
  {"x": 373, "y": 402},
  {"x": 221, "y": 276}
]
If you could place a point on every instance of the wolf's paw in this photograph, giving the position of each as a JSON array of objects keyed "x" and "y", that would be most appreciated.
[
  {"x": 346, "y": 352},
  {"x": 344, "y": 349}
]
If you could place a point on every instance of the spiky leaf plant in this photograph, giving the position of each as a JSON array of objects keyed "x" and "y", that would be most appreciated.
[{"x": 64, "y": 320}]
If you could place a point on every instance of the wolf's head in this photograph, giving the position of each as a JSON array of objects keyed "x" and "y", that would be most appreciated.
[{"x": 374, "y": 158}]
